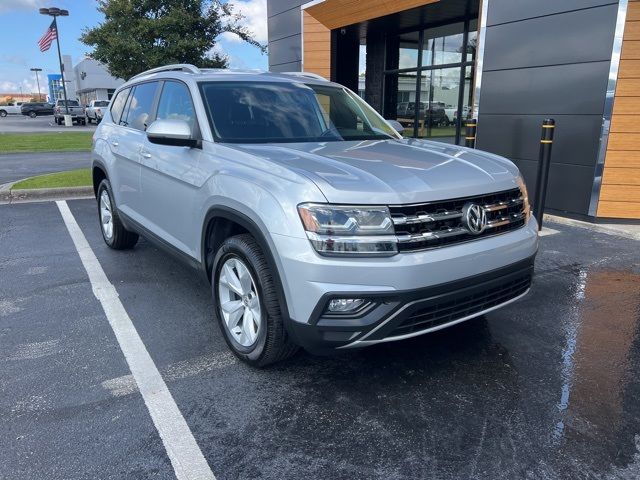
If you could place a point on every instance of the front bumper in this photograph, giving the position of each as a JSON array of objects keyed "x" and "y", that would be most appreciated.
[
  {"x": 400, "y": 315},
  {"x": 309, "y": 281}
]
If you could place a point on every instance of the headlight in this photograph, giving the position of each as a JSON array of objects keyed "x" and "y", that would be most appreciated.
[
  {"x": 526, "y": 208},
  {"x": 362, "y": 231}
]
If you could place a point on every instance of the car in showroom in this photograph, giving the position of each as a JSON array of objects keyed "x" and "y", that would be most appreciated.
[
  {"x": 35, "y": 109},
  {"x": 315, "y": 222}
]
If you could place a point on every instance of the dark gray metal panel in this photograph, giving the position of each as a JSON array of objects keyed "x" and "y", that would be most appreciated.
[
  {"x": 285, "y": 50},
  {"x": 576, "y": 89},
  {"x": 569, "y": 185},
  {"x": 518, "y": 136},
  {"x": 275, "y": 7},
  {"x": 286, "y": 67},
  {"x": 574, "y": 37},
  {"x": 501, "y": 11},
  {"x": 285, "y": 24}
]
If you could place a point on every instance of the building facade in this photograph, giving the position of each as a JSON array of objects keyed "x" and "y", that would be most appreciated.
[
  {"x": 93, "y": 81},
  {"x": 430, "y": 64}
]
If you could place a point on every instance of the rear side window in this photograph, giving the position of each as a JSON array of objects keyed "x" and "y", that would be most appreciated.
[
  {"x": 138, "y": 113},
  {"x": 118, "y": 104},
  {"x": 175, "y": 103}
]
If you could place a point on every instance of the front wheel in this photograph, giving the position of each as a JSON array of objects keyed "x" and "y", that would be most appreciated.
[
  {"x": 113, "y": 231},
  {"x": 246, "y": 303},
  {"x": 33, "y": 114},
  {"x": 3, "y": 113},
  {"x": 88, "y": 119}
]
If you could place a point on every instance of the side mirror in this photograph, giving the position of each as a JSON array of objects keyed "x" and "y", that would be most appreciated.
[
  {"x": 396, "y": 125},
  {"x": 173, "y": 132}
]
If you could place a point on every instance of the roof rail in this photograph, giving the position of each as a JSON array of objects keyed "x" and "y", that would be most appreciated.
[
  {"x": 306, "y": 74},
  {"x": 177, "y": 67}
]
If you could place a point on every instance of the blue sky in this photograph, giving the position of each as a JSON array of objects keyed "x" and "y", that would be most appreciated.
[{"x": 21, "y": 26}]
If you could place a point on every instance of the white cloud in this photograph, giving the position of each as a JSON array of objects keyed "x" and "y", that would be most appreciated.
[
  {"x": 255, "y": 19},
  {"x": 13, "y": 5}
]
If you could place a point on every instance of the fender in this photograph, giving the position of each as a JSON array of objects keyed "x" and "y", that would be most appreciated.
[{"x": 248, "y": 224}]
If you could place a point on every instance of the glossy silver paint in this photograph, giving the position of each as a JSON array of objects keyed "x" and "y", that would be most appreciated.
[{"x": 169, "y": 190}]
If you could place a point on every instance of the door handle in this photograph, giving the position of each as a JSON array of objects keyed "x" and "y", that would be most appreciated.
[
  {"x": 114, "y": 143},
  {"x": 145, "y": 154}
]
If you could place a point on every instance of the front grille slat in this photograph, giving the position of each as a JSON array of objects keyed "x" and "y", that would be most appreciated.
[
  {"x": 448, "y": 310},
  {"x": 438, "y": 224}
]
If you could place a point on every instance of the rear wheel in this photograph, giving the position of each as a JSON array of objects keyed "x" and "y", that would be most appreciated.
[
  {"x": 246, "y": 303},
  {"x": 33, "y": 114},
  {"x": 3, "y": 113},
  {"x": 113, "y": 231}
]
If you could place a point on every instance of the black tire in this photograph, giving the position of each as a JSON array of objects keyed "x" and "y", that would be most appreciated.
[
  {"x": 88, "y": 120},
  {"x": 57, "y": 120},
  {"x": 33, "y": 114},
  {"x": 273, "y": 343},
  {"x": 3, "y": 113},
  {"x": 122, "y": 239}
]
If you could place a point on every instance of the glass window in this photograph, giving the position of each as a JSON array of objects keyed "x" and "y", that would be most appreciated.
[
  {"x": 140, "y": 104},
  {"x": 405, "y": 107},
  {"x": 101, "y": 104},
  {"x": 443, "y": 45},
  {"x": 409, "y": 50},
  {"x": 472, "y": 41},
  {"x": 118, "y": 105},
  {"x": 175, "y": 103},
  {"x": 264, "y": 112},
  {"x": 439, "y": 94}
]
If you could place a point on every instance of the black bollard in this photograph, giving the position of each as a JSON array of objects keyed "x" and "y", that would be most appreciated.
[
  {"x": 544, "y": 162},
  {"x": 470, "y": 137}
]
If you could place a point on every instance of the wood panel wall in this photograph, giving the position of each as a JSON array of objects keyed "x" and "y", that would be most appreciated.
[
  {"x": 316, "y": 53},
  {"x": 339, "y": 13},
  {"x": 620, "y": 193}
]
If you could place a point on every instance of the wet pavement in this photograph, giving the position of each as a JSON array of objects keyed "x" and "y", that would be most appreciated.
[{"x": 548, "y": 387}]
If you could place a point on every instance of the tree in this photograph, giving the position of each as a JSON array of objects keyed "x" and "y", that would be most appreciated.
[{"x": 137, "y": 35}]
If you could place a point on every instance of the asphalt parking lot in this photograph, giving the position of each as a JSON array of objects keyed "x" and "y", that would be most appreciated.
[
  {"x": 547, "y": 387},
  {"x": 45, "y": 123},
  {"x": 16, "y": 166}
]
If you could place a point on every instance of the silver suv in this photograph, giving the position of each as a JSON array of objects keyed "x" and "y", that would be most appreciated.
[{"x": 316, "y": 223}]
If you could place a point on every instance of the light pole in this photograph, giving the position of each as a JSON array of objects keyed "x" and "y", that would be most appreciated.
[
  {"x": 55, "y": 13},
  {"x": 37, "y": 81}
]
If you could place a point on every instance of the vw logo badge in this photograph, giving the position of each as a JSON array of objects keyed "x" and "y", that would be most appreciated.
[{"x": 474, "y": 218}]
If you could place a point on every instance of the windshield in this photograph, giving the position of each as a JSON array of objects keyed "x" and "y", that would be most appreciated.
[
  {"x": 262, "y": 112},
  {"x": 100, "y": 104},
  {"x": 70, "y": 103}
]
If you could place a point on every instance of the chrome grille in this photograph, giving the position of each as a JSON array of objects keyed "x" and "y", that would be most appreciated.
[{"x": 437, "y": 224}]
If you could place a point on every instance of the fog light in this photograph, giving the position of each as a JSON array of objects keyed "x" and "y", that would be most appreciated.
[{"x": 344, "y": 305}]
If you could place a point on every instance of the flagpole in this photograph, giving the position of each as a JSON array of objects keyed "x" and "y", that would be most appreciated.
[
  {"x": 55, "y": 12},
  {"x": 64, "y": 85}
]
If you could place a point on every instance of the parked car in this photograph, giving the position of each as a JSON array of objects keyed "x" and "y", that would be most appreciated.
[
  {"x": 94, "y": 110},
  {"x": 36, "y": 108},
  {"x": 317, "y": 227},
  {"x": 75, "y": 110},
  {"x": 11, "y": 108},
  {"x": 430, "y": 114}
]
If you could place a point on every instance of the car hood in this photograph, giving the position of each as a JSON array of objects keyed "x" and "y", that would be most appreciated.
[{"x": 392, "y": 171}]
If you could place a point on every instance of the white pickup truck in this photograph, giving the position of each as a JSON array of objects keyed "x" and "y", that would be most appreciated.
[
  {"x": 95, "y": 110},
  {"x": 11, "y": 108}
]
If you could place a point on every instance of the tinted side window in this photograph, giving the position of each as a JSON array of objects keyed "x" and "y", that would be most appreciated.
[
  {"x": 118, "y": 104},
  {"x": 175, "y": 103},
  {"x": 140, "y": 105}
]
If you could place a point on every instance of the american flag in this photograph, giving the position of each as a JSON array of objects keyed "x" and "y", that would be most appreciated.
[{"x": 49, "y": 36}]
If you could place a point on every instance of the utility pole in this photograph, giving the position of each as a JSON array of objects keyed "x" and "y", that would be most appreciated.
[{"x": 38, "y": 82}]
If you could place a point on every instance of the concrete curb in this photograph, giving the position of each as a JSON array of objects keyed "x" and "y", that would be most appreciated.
[
  {"x": 627, "y": 231},
  {"x": 7, "y": 195}
]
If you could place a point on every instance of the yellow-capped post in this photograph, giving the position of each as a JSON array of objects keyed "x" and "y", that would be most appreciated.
[
  {"x": 470, "y": 137},
  {"x": 544, "y": 162}
]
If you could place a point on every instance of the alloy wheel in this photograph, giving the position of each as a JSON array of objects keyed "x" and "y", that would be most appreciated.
[
  {"x": 106, "y": 215},
  {"x": 239, "y": 302}
]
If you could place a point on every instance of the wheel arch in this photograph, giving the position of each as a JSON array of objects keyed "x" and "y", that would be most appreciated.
[
  {"x": 98, "y": 173},
  {"x": 246, "y": 225}
]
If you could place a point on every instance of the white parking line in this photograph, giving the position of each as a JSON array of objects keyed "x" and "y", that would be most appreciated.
[{"x": 183, "y": 451}]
